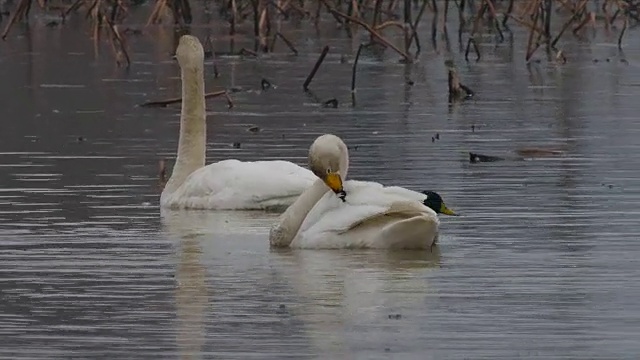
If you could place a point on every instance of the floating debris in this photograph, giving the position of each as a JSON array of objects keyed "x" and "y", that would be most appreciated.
[
  {"x": 476, "y": 158},
  {"x": 176, "y": 100},
  {"x": 331, "y": 103},
  {"x": 538, "y": 152},
  {"x": 265, "y": 84}
]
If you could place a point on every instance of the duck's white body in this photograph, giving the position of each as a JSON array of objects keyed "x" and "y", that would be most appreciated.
[
  {"x": 373, "y": 217},
  {"x": 228, "y": 184},
  {"x": 238, "y": 185}
]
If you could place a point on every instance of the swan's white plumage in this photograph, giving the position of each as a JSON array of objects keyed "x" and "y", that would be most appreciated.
[
  {"x": 228, "y": 184},
  {"x": 233, "y": 184},
  {"x": 374, "y": 216}
]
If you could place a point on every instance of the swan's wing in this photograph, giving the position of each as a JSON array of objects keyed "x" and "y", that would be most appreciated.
[
  {"x": 398, "y": 193},
  {"x": 233, "y": 184},
  {"x": 370, "y": 207}
]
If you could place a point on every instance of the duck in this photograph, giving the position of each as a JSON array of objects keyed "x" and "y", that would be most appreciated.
[
  {"x": 335, "y": 213},
  {"x": 228, "y": 184}
]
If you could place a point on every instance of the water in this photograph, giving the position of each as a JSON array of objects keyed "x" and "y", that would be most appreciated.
[{"x": 543, "y": 264}]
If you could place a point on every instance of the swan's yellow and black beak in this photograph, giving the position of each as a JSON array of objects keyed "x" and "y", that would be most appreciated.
[
  {"x": 334, "y": 182},
  {"x": 445, "y": 210}
]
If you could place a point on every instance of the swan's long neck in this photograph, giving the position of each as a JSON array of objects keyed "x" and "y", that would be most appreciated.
[
  {"x": 283, "y": 233},
  {"x": 193, "y": 128}
]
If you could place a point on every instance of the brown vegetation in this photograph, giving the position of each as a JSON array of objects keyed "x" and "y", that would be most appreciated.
[{"x": 546, "y": 21}]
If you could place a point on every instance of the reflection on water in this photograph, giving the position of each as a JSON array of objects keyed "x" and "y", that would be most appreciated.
[
  {"x": 323, "y": 295},
  {"x": 543, "y": 264},
  {"x": 191, "y": 299}
]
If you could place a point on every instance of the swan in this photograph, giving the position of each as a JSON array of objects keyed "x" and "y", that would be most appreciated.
[
  {"x": 228, "y": 184},
  {"x": 364, "y": 215}
]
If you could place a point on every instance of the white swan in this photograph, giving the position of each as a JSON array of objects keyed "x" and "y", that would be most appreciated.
[
  {"x": 228, "y": 184},
  {"x": 369, "y": 216}
]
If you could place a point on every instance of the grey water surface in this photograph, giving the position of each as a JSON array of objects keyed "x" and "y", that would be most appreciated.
[{"x": 543, "y": 264}]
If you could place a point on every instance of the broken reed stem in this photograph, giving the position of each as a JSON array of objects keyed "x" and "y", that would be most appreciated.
[
  {"x": 446, "y": 13},
  {"x": 376, "y": 13},
  {"x": 547, "y": 22},
  {"x": 155, "y": 14},
  {"x": 389, "y": 23},
  {"x": 607, "y": 18},
  {"x": 407, "y": 25},
  {"x": 117, "y": 38},
  {"x": 209, "y": 44},
  {"x": 584, "y": 22},
  {"x": 353, "y": 71},
  {"x": 265, "y": 27},
  {"x": 164, "y": 103},
  {"x": 507, "y": 15},
  {"x": 624, "y": 29},
  {"x": 494, "y": 16},
  {"x": 21, "y": 11},
  {"x": 531, "y": 32},
  {"x": 414, "y": 34},
  {"x": 286, "y": 41},
  {"x": 71, "y": 8},
  {"x": 234, "y": 17},
  {"x": 326, "y": 4},
  {"x": 434, "y": 23},
  {"x": 325, "y": 50},
  {"x": 475, "y": 48},
  {"x": 575, "y": 16},
  {"x": 228, "y": 98},
  {"x": 245, "y": 51},
  {"x": 371, "y": 31}
]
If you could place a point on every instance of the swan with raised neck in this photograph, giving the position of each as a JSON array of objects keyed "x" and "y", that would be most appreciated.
[
  {"x": 193, "y": 126},
  {"x": 227, "y": 184}
]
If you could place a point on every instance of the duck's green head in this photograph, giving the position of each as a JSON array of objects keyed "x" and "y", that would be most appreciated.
[{"x": 435, "y": 203}]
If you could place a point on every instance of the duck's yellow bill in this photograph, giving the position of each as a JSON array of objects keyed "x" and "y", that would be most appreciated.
[
  {"x": 334, "y": 182},
  {"x": 445, "y": 210}
]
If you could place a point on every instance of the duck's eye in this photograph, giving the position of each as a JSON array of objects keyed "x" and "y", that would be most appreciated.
[{"x": 329, "y": 171}]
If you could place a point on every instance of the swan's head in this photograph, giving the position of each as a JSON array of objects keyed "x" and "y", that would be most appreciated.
[
  {"x": 328, "y": 160},
  {"x": 435, "y": 203},
  {"x": 190, "y": 53}
]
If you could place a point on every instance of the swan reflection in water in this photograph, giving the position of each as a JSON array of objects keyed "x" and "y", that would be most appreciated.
[
  {"x": 338, "y": 291},
  {"x": 197, "y": 232},
  {"x": 191, "y": 298},
  {"x": 328, "y": 291}
]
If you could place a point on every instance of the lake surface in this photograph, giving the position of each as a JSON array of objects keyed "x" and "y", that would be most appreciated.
[{"x": 543, "y": 264}]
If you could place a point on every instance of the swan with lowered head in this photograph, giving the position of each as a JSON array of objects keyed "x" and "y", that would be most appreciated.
[
  {"x": 228, "y": 184},
  {"x": 366, "y": 215}
]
